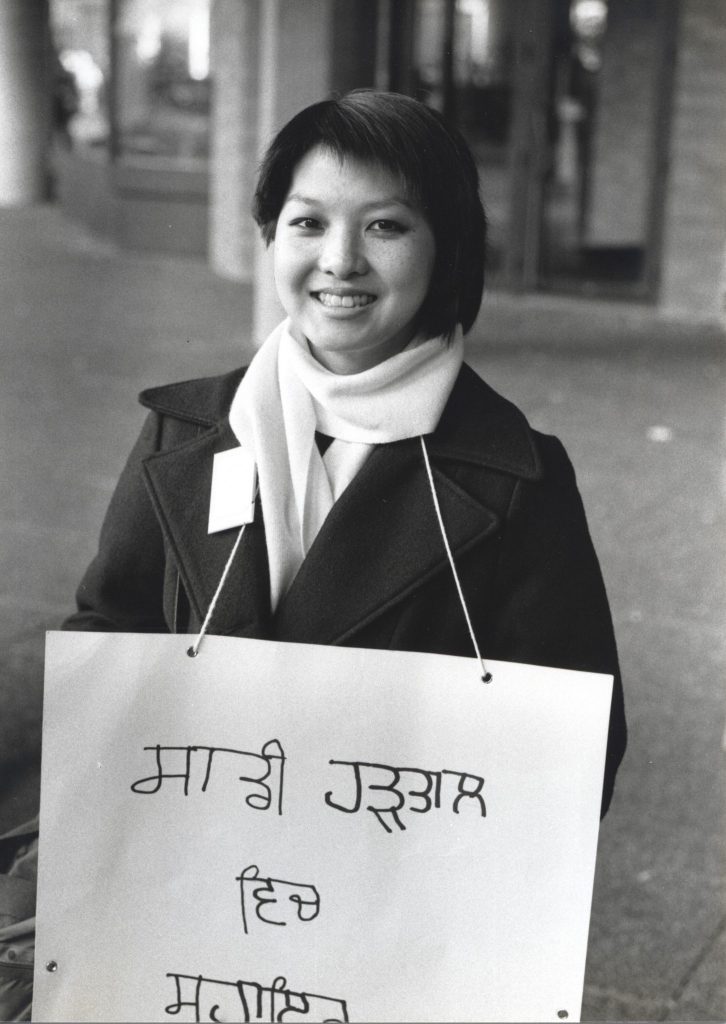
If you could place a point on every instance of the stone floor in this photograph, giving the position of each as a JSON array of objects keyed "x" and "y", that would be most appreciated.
[{"x": 638, "y": 401}]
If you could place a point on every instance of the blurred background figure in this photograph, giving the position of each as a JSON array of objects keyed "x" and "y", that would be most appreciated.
[
  {"x": 66, "y": 100},
  {"x": 80, "y": 95}
]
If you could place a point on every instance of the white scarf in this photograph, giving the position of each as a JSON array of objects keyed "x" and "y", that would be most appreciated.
[{"x": 286, "y": 395}]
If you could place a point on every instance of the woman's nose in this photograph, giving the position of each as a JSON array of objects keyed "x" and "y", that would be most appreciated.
[{"x": 342, "y": 254}]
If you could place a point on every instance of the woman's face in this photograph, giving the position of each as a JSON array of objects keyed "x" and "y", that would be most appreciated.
[{"x": 353, "y": 261}]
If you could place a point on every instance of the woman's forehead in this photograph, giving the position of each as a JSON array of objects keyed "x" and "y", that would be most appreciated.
[{"x": 325, "y": 175}]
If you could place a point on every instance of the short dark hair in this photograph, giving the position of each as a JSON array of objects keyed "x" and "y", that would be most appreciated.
[{"x": 437, "y": 170}]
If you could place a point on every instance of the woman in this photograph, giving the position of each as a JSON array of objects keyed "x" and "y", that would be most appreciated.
[{"x": 371, "y": 204}]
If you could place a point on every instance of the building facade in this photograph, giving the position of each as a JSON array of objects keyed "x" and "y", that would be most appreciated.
[{"x": 597, "y": 125}]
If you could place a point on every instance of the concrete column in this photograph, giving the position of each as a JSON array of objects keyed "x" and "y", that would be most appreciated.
[
  {"x": 235, "y": 36},
  {"x": 295, "y": 70},
  {"x": 25, "y": 101}
]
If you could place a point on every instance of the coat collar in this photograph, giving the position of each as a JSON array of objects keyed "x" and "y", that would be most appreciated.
[
  {"x": 477, "y": 425},
  {"x": 368, "y": 554},
  {"x": 480, "y": 427}
]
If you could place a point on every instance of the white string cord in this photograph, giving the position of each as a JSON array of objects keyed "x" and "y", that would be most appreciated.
[
  {"x": 193, "y": 651},
  {"x": 486, "y": 676}
]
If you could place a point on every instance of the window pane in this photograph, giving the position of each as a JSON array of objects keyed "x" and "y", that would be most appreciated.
[
  {"x": 484, "y": 77},
  {"x": 607, "y": 60},
  {"x": 163, "y": 79},
  {"x": 481, "y": 101}
]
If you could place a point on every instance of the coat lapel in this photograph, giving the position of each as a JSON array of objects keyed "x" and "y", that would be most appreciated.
[
  {"x": 381, "y": 540},
  {"x": 179, "y": 482}
]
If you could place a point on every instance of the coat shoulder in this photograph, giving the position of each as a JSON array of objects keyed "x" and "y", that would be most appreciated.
[
  {"x": 482, "y": 427},
  {"x": 204, "y": 400},
  {"x": 553, "y": 457}
]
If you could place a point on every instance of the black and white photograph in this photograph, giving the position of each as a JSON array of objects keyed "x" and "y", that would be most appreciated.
[{"x": 362, "y": 510}]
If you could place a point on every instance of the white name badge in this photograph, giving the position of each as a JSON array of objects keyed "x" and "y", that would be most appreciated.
[{"x": 234, "y": 485}]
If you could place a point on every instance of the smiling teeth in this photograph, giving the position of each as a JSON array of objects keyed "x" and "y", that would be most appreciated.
[{"x": 346, "y": 301}]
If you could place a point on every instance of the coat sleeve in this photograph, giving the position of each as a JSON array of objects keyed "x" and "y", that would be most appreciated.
[
  {"x": 552, "y": 608},
  {"x": 122, "y": 589}
]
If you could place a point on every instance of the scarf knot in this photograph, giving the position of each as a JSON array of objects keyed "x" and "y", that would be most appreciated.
[{"x": 286, "y": 395}]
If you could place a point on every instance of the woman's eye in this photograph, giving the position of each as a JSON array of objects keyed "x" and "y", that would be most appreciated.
[
  {"x": 388, "y": 227},
  {"x": 307, "y": 223}
]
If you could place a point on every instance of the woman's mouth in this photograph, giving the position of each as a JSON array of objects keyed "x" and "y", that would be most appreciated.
[{"x": 350, "y": 300}]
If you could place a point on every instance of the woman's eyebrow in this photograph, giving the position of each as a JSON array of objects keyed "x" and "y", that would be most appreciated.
[
  {"x": 394, "y": 200},
  {"x": 389, "y": 201},
  {"x": 297, "y": 197}
]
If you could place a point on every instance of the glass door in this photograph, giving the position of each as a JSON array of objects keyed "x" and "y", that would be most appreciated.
[
  {"x": 462, "y": 61},
  {"x": 565, "y": 104},
  {"x": 609, "y": 84}
]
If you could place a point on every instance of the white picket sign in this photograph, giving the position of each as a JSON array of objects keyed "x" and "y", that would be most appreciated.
[{"x": 288, "y": 832}]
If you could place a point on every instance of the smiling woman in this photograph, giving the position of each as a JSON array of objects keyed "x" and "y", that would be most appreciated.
[
  {"x": 371, "y": 202},
  {"x": 353, "y": 261},
  {"x": 412, "y": 159},
  {"x": 368, "y": 435}
]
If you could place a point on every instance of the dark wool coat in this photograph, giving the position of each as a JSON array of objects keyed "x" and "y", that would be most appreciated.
[{"x": 377, "y": 574}]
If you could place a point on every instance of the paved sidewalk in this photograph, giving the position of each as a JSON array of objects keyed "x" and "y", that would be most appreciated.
[{"x": 639, "y": 403}]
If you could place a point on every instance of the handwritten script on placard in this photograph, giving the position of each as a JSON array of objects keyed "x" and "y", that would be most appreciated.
[
  {"x": 283, "y": 832},
  {"x": 275, "y": 901},
  {"x": 401, "y": 795},
  {"x": 419, "y": 801},
  {"x": 270, "y": 756},
  {"x": 269, "y": 899},
  {"x": 226, "y": 1000}
]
